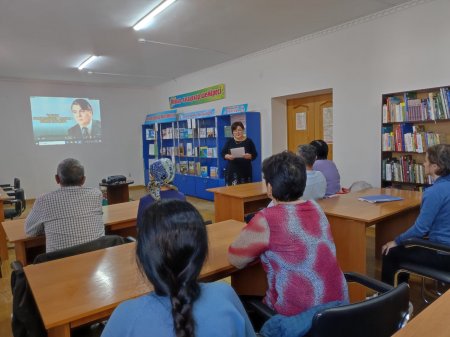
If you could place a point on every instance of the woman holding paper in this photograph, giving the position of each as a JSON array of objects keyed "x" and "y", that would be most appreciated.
[
  {"x": 433, "y": 220},
  {"x": 239, "y": 151}
]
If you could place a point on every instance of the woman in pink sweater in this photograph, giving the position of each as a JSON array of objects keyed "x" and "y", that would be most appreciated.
[{"x": 294, "y": 242}]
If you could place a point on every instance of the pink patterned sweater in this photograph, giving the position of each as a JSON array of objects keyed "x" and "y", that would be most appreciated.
[{"x": 298, "y": 255}]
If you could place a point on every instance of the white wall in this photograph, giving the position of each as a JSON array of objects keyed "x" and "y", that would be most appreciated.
[
  {"x": 122, "y": 111},
  {"x": 402, "y": 49}
]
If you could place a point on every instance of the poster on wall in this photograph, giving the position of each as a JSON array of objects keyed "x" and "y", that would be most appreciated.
[
  {"x": 300, "y": 121},
  {"x": 328, "y": 125},
  {"x": 201, "y": 96}
]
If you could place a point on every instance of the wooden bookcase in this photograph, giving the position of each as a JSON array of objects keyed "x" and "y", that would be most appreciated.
[{"x": 411, "y": 122}]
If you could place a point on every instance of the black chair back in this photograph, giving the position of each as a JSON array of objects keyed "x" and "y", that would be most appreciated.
[
  {"x": 16, "y": 183},
  {"x": 380, "y": 316},
  {"x": 19, "y": 204}
]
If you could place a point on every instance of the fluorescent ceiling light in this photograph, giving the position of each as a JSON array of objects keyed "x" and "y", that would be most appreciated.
[
  {"x": 154, "y": 12},
  {"x": 88, "y": 61}
]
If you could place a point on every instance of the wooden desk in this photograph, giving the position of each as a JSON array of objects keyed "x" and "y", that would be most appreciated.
[
  {"x": 348, "y": 218},
  {"x": 119, "y": 219},
  {"x": 430, "y": 322},
  {"x": 234, "y": 202},
  {"x": 3, "y": 243},
  {"x": 84, "y": 288},
  {"x": 117, "y": 193}
]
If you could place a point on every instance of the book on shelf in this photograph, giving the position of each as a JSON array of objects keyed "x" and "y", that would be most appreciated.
[
  {"x": 151, "y": 149},
  {"x": 204, "y": 171},
  {"x": 379, "y": 198},
  {"x": 202, "y": 132},
  {"x": 183, "y": 167},
  {"x": 213, "y": 172},
  {"x": 203, "y": 151},
  {"x": 197, "y": 168},
  {"x": 180, "y": 150},
  {"x": 227, "y": 131},
  {"x": 189, "y": 149},
  {"x": 210, "y": 132},
  {"x": 210, "y": 152},
  {"x": 191, "y": 167},
  {"x": 149, "y": 134}
]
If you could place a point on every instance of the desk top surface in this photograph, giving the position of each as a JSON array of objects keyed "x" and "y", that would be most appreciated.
[
  {"x": 112, "y": 214},
  {"x": 348, "y": 206},
  {"x": 432, "y": 321},
  {"x": 242, "y": 190},
  {"x": 342, "y": 205},
  {"x": 3, "y": 195},
  {"x": 93, "y": 283}
]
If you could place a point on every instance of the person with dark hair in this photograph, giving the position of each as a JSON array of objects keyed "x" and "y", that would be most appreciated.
[
  {"x": 172, "y": 245},
  {"x": 316, "y": 183},
  {"x": 86, "y": 127},
  {"x": 433, "y": 220},
  {"x": 69, "y": 216},
  {"x": 294, "y": 242},
  {"x": 161, "y": 175},
  {"x": 327, "y": 167},
  {"x": 239, "y": 169}
]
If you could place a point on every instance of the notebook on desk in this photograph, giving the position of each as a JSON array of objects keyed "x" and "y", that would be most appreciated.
[{"x": 379, "y": 198}]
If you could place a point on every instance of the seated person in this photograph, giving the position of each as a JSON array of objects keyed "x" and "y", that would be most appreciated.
[
  {"x": 172, "y": 245},
  {"x": 69, "y": 216},
  {"x": 433, "y": 221},
  {"x": 316, "y": 183},
  {"x": 327, "y": 167},
  {"x": 293, "y": 240},
  {"x": 161, "y": 174}
]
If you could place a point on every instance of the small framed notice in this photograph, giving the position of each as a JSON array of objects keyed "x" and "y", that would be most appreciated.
[
  {"x": 238, "y": 152},
  {"x": 300, "y": 121}
]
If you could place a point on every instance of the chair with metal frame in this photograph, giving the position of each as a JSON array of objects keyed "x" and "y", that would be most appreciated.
[
  {"x": 379, "y": 316},
  {"x": 425, "y": 271},
  {"x": 19, "y": 203}
]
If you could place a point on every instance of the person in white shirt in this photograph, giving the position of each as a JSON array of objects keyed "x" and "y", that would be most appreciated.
[
  {"x": 316, "y": 184},
  {"x": 69, "y": 216}
]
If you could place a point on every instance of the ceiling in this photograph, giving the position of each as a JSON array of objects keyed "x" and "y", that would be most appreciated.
[{"x": 48, "y": 39}]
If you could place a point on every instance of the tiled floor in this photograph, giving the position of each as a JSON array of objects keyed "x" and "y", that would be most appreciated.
[{"x": 206, "y": 208}]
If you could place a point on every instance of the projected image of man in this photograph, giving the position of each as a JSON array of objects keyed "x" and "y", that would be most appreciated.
[{"x": 87, "y": 128}]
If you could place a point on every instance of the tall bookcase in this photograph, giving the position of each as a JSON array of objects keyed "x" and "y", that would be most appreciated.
[
  {"x": 194, "y": 142},
  {"x": 411, "y": 122}
]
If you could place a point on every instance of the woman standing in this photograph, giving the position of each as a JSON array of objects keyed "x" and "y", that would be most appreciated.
[{"x": 239, "y": 168}]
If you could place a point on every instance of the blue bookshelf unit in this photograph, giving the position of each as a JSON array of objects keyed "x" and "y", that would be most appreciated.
[{"x": 194, "y": 142}]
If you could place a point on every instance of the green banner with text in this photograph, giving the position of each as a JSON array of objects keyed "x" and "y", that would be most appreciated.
[{"x": 209, "y": 94}]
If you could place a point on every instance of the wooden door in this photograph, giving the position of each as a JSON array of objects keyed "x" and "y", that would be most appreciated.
[{"x": 305, "y": 121}]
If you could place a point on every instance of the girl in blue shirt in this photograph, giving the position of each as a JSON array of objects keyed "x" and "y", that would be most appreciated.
[
  {"x": 171, "y": 248},
  {"x": 433, "y": 220}
]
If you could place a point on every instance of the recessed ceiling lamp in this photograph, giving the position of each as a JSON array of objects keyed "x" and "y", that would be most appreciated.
[
  {"x": 88, "y": 61},
  {"x": 142, "y": 23}
]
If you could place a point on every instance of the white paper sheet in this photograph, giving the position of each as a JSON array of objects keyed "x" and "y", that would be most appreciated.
[{"x": 238, "y": 152}]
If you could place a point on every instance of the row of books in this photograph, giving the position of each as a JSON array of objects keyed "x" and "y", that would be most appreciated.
[
  {"x": 434, "y": 107},
  {"x": 189, "y": 151},
  {"x": 409, "y": 138},
  {"x": 195, "y": 168},
  {"x": 404, "y": 169},
  {"x": 188, "y": 133}
]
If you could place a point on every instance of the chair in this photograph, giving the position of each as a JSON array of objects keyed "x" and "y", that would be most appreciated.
[
  {"x": 26, "y": 321},
  {"x": 10, "y": 189},
  {"x": 379, "y": 316},
  {"x": 19, "y": 203},
  {"x": 424, "y": 271}
]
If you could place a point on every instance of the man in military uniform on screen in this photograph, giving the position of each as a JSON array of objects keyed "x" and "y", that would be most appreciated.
[{"x": 87, "y": 128}]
